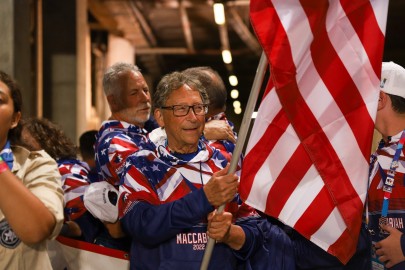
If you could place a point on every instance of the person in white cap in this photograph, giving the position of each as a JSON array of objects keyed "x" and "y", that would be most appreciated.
[{"x": 386, "y": 197}]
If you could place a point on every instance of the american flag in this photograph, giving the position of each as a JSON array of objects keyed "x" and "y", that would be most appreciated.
[{"x": 307, "y": 157}]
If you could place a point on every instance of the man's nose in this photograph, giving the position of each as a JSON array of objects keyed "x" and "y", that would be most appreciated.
[{"x": 146, "y": 96}]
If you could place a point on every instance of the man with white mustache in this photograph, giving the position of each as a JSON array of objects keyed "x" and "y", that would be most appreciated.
[{"x": 129, "y": 100}]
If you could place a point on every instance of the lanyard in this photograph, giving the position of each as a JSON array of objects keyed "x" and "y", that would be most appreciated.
[{"x": 389, "y": 179}]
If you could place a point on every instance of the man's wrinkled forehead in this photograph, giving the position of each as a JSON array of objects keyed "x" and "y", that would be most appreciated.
[{"x": 132, "y": 77}]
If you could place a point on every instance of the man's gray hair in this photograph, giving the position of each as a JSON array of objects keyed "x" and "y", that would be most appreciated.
[
  {"x": 214, "y": 86},
  {"x": 174, "y": 81},
  {"x": 112, "y": 77}
]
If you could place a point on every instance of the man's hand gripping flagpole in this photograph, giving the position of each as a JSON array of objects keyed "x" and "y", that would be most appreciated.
[{"x": 254, "y": 93}]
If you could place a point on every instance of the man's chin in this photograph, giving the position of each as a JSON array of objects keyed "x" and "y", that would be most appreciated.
[{"x": 140, "y": 120}]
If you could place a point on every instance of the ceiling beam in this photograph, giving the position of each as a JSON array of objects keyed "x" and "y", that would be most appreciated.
[
  {"x": 104, "y": 17},
  {"x": 185, "y": 23},
  {"x": 243, "y": 31},
  {"x": 147, "y": 30},
  {"x": 182, "y": 51}
]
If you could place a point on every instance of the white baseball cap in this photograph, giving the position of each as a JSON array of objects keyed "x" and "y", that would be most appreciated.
[
  {"x": 393, "y": 79},
  {"x": 100, "y": 199}
]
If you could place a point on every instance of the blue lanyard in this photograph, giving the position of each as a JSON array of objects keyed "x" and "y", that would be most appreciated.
[{"x": 389, "y": 179}]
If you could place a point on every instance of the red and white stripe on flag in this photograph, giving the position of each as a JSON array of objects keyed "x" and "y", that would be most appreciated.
[{"x": 307, "y": 157}]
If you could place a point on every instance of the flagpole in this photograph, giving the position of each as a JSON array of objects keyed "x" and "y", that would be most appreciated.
[{"x": 254, "y": 93}]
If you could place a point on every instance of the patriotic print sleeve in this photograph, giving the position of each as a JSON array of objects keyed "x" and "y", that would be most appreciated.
[
  {"x": 74, "y": 184},
  {"x": 112, "y": 154}
]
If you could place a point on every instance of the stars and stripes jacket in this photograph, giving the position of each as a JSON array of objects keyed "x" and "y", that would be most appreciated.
[
  {"x": 115, "y": 141},
  {"x": 164, "y": 208},
  {"x": 75, "y": 181}
]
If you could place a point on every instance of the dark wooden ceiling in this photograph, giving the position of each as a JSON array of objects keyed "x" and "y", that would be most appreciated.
[{"x": 171, "y": 35}]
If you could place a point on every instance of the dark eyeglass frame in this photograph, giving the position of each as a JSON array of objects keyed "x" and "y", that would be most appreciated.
[{"x": 175, "y": 109}]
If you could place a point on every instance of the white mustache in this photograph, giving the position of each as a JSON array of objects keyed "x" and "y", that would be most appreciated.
[{"x": 143, "y": 107}]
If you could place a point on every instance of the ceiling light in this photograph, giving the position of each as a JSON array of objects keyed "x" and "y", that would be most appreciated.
[
  {"x": 233, "y": 80},
  {"x": 226, "y": 56},
  {"x": 237, "y": 110},
  {"x": 219, "y": 13},
  {"x": 234, "y": 93},
  {"x": 236, "y": 104}
]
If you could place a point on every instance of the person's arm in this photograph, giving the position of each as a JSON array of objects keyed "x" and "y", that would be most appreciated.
[
  {"x": 90, "y": 227},
  {"x": 390, "y": 249},
  {"x": 153, "y": 224},
  {"x": 74, "y": 184},
  {"x": 70, "y": 229},
  {"x": 21, "y": 207},
  {"x": 115, "y": 229},
  {"x": 219, "y": 130},
  {"x": 243, "y": 237},
  {"x": 221, "y": 229}
]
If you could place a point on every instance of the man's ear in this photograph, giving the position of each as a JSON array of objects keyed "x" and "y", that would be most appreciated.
[
  {"x": 112, "y": 102},
  {"x": 159, "y": 117},
  {"x": 382, "y": 100},
  {"x": 16, "y": 119}
]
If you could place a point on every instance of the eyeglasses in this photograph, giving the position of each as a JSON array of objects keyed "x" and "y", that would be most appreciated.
[{"x": 183, "y": 110}]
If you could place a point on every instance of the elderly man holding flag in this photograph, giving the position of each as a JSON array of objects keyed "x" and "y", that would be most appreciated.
[{"x": 175, "y": 181}]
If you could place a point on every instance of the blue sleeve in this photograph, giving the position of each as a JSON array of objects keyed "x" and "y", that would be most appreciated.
[
  {"x": 253, "y": 238},
  {"x": 153, "y": 224},
  {"x": 90, "y": 226},
  {"x": 271, "y": 246}
]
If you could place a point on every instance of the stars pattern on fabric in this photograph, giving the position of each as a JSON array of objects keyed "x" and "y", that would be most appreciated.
[{"x": 155, "y": 168}]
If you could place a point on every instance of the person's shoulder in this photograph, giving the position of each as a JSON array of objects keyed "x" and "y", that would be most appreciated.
[
  {"x": 22, "y": 155},
  {"x": 116, "y": 129},
  {"x": 33, "y": 163}
]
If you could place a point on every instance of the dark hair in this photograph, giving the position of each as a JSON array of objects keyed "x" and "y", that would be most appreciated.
[
  {"x": 51, "y": 138},
  {"x": 213, "y": 83},
  {"x": 15, "y": 90},
  {"x": 15, "y": 93},
  {"x": 174, "y": 81},
  {"x": 86, "y": 143},
  {"x": 398, "y": 103}
]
